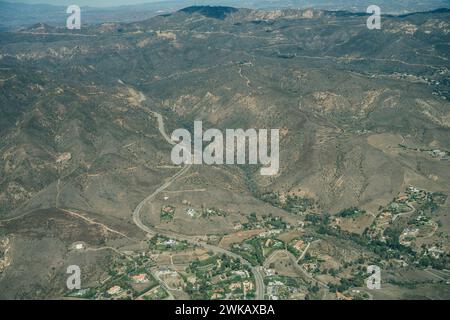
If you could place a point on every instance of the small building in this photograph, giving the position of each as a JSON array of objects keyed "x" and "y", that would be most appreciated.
[
  {"x": 140, "y": 278},
  {"x": 170, "y": 242},
  {"x": 298, "y": 245},
  {"x": 234, "y": 286},
  {"x": 402, "y": 198},
  {"x": 248, "y": 286},
  {"x": 217, "y": 296},
  {"x": 268, "y": 243},
  {"x": 269, "y": 272},
  {"x": 114, "y": 290},
  {"x": 169, "y": 209},
  {"x": 190, "y": 212},
  {"x": 64, "y": 158},
  {"x": 238, "y": 226},
  {"x": 438, "y": 153}
]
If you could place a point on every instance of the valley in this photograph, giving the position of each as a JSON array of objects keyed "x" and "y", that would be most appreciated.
[{"x": 86, "y": 176}]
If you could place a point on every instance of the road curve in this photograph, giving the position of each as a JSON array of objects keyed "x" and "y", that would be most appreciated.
[
  {"x": 413, "y": 209},
  {"x": 259, "y": 283}
]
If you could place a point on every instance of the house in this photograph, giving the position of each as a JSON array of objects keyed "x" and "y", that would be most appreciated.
[
  {"x": 192, "y": 279},
  {"x": 169, "y": 209},
  {"x": 268, "y": 243},
  {"x": 190, "y": 212},
  {"x": 402, "y": 198},
  {"x": 64, "y": 158},
  {"x": 238, "y": 226},
  {"x": 412, "y": 189},
  {"x": 234, "y": 286},
  {"x": 438, "y": 153},
  {"x": 269, "y": 272},
  {"x": 114, "y": 290},
  {"x": 248, "y": 286},
  {"x": 298, "y": 245},
  {"x": 216, "y": 296},
  {"x": 140, "y": 278},
  {"x": 170, "y": 242}
]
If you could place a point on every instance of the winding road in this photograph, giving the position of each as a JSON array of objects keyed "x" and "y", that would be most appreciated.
[
  {"x": 405, "y": 213},
  {"x": 259, "y": 283}
]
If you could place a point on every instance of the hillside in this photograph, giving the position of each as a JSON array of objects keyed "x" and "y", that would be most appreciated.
[{"x": 361, "y": 114}]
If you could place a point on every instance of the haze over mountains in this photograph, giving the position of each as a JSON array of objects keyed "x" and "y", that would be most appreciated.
[
  {"x": 20, "y": 13},
  {"x": 364, "y": 119}
]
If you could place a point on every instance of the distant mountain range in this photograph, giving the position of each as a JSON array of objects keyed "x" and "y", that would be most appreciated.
[{"x": 13, "y": 15}]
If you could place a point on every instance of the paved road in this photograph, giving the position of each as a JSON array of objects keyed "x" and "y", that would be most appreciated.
[
  {"x": 259, "y": 283},
  {"x": 137, "y": 211},
  {"x": 159, "y": 118}
]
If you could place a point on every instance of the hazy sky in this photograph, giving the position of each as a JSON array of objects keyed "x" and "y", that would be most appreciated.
[{"x": 93, "y": 3}]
